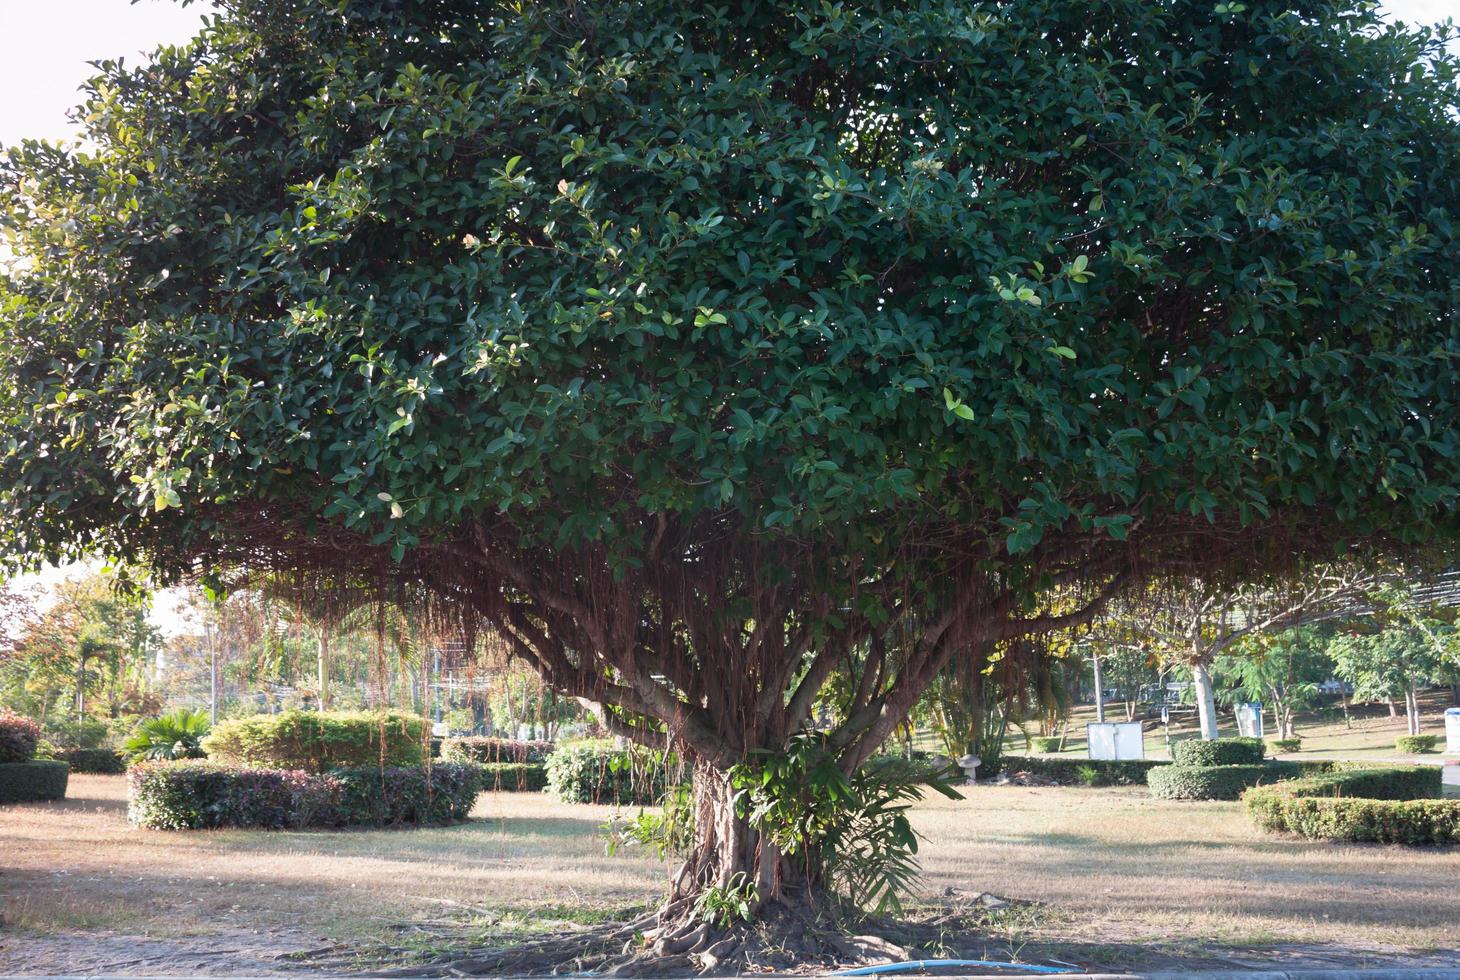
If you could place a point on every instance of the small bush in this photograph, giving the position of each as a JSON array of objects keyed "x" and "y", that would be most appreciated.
[
  {"x": 601, "y": 772},
  {"x": 103, "y": 762},
  {"x": 18, "y": 737},
  {"x": 32, "y": 782},
  {"x": 319, "y": 741},
  {"x": 1285, "y": 745},
  {"x": 1218, "y": 752},
  {"x": 513, "y": 777},
  {"x": 1045, "y": 743},
  {"x": 178, "y": 735},
  {"x": 88, "y": 733},
  {"x": 196, "y": 795},
  {"x": 1389, "y": 805},
  {"x": 1066, "y": 771},
  {"x": 1181, "y": 782},
  {"x": 188, "y": 795},
  {"x": 1416, "y": 744},
  {"x": 473, "y": 749}
]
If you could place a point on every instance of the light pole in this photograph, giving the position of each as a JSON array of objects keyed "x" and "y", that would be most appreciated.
[{"x": 212, "y": 673}]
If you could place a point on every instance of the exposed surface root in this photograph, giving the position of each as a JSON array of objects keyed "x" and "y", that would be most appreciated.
[{"x": 792, "y": 937}]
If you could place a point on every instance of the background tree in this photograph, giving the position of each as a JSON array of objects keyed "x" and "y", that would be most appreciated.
[
  {"x": 1284, "y": 670},
  {"x": 701, "y": 352},
  {"x": 1385, "y": 663}
]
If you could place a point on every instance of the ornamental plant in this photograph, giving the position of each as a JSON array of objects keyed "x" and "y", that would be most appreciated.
[{"x": 704, "y": 351}]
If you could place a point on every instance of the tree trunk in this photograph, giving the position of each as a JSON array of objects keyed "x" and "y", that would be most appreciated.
[
  {"x": 1099, "y": 688},
  {"x": 728, "y": 853},
  {"x": 1393, "y": 711},
  {"x": 1206, "y": 699},
  {"x": 324, "y": 671},
  {"x": 1411, "y": 710}
]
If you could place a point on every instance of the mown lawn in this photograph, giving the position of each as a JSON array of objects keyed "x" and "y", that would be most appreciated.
[{"x": 1120, "y": 880}]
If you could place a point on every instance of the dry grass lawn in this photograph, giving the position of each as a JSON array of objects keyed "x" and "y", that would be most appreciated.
[{"x": 1123, "y": 880}]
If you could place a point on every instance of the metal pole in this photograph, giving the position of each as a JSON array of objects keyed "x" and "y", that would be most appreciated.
[{"x": 1099, "y": 686}]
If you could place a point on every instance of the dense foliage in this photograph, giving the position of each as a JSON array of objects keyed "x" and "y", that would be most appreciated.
[
  {"x": 316, "y": 741},
  {"x": 18, "y": 737},
  {"x": 29, "y": 782},
  {"x": 1219, "y": 752},
  {"x": 178, "y": 735},
  {"x": 1416, "y": 744},
  {"x": 189, "y": 795}
]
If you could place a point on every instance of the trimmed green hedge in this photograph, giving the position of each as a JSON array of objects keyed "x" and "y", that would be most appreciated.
[
  {"x": 1045, "y": 743},
  {"x": 32, "y": 782},
  {"x": 1390, "y": 805},
  {"x": 512, "y": 777},
  {"x": 601, "y": 772},
  {"x": 317, "y": 741},
  {"x": 194, "y": 795},
  {"x": 1218, "y": 752},
  {"x": 477, "y": 749},
  {"x": 104, "y": 762},
  {"x": 1208, "y": 782},
  {"x": 1066, "y": 771},
  {"x": 1285, "y": 745},
  {"x": 1416, "y": 744}
]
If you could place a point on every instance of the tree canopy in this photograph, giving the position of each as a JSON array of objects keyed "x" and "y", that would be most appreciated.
[{"x": 701, "y": 351}]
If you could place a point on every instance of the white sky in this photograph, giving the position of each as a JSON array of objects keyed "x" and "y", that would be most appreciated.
[{"x": 45, "y": 46}]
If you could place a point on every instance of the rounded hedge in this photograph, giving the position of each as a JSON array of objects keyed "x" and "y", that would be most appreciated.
[
  {"x": 1045, "y": 743},
  {"x": 1385, "y": 805},
  {"x": 1416, "y": 744},
  {"x": 316, "y": 741},
  {"x": 1182, "y": 782},
  {"x": 18, "y": 737},
  {"x": 603, "y": 772},
  {"x": 196, "y": 795},
  {"x": 33, "y": 782},
  {"x": 1285, "y": 745},
  {"x": 1218, "y": 752}
]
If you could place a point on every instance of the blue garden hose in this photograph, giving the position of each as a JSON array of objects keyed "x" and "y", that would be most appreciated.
[{"x": 868, "y": 971}]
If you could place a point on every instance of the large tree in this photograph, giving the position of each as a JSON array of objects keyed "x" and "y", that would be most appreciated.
[{"x": 702, "y": 351}]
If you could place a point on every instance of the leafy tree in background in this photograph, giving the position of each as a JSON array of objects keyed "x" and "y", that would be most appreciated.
[
  {"x": 1283, "y": 669},
  {"x": 1386, "y": 664},
  {"x": 701, "y": 352}
]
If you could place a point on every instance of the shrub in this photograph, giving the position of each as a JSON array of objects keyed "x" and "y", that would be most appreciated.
[
  {"x": 601, "y": 772},
  {"x": 1045, "y": 743},
  {"x": 471, "y": 749},
  {"x": 1388, "y": 805},
  {"x": 18, "y": 737},
  {"x": 1415, "y": 744},
  {"x": 1218, "y": 752},
  {"x": 33, "y": 781},
  {"x": 1180, "y": 782},
  {"x": 381, "y": 797},
  {"x": 1285, "y": 745},
  {"x": 194, "y": 795},
  {"x": 88, "y": 733},
  {"x": 319, "y": 741},
  {"x": 174, "y": 736},
  {"x": 197, "y": 795},
  {"x": 1066, "y": 771},
  {"x": 513, "y": 777},
  {"x": 104, "y": 762}
]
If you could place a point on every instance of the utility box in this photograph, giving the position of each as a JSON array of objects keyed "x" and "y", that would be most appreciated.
[
  {"x": 1249, "y": 720},
  {"x": 1116, "y": 740},
  {"x": 1452, "y": 731}
]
